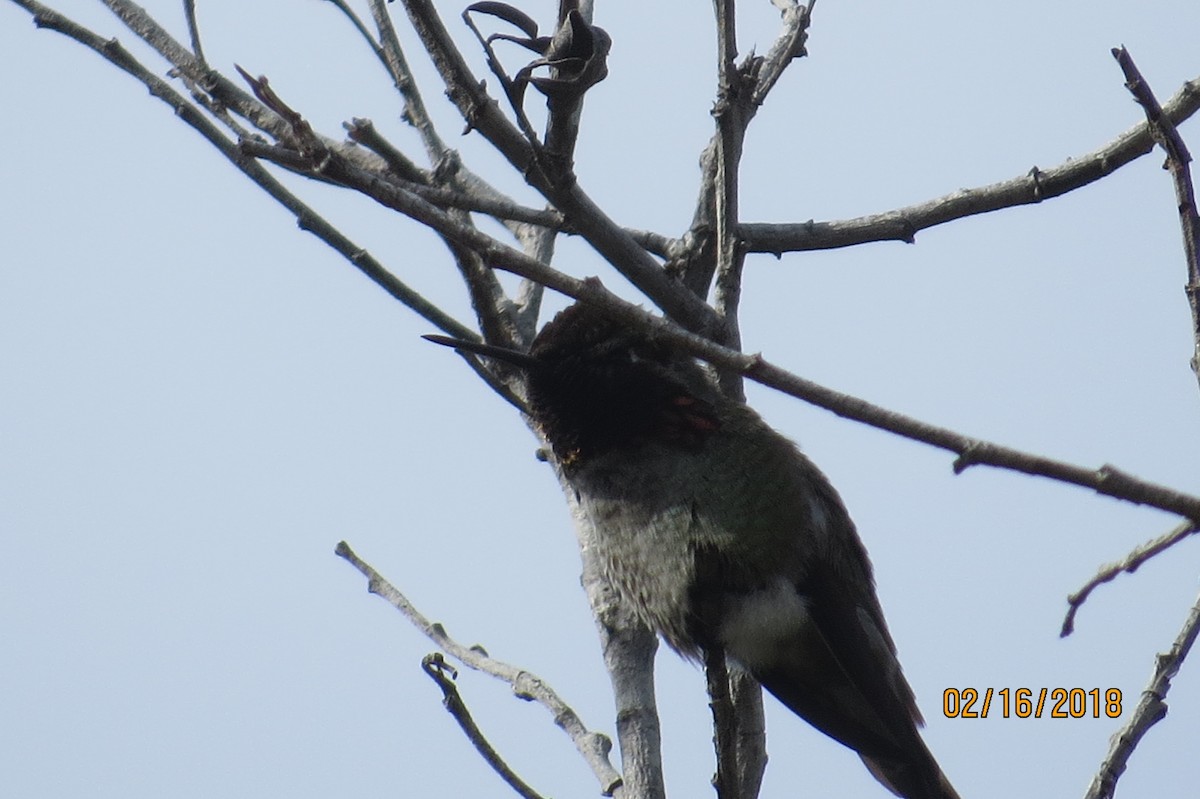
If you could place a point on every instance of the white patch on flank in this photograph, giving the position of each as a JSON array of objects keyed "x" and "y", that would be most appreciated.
[{"x": 757, "y": 626}]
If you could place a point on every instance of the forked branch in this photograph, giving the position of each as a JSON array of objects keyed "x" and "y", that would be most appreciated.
[
  {"x": 594, "y": 747},
  {"x": 1163, "y": 129}
]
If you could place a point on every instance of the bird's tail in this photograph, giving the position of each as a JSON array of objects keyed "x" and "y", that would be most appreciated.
[{"x": 919, "y": 779}]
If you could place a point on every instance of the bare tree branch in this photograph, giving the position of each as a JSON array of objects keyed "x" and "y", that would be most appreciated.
[
  {"x": 751, "y": 731},
  {"x": 506, "y": 83},
  {"x": 725, "y": 727},
  {"x": 414, "y": 106},
  {"x": 737, "y": 756},
  {"x": 904, "y": 223},
  {"x": 732, "y": 114},
  {"x": 1167, "y": 136},
  {"x": 447, "y": 167},
  {"x": 1130, "y": 563},
  {"x": 628, "y": 647},
  {"x": 697, "y": 264},
  {"x": 361, "y": 27},
  {"x": 1106, "y": 480},
  {"x": 1178, "y": 158},
  {"x": 1151, "y": 709},
  {"x": 487, "y": 297},
  {"x": 788, "y": 46},
  {"x": 610, "y": 240},
  {"x": 594, "y": 747},
  {"x": 189, "y": 11},
  {"x": 443, "y": 674},
  {"x": 442, "y": 198},
  {"x": 420, "y": 183},
  {"x": 224, "y": 90},
  {"x": 561, "y": 135},
  {"x": 306, "y": 217},
  {"x": 458, "y": 194},
  {"x": 331, "y": 165},
  {"x": 363, "y": 131}
]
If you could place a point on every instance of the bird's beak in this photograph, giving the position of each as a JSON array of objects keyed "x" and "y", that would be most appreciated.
[{"x": 520, "y": 359}]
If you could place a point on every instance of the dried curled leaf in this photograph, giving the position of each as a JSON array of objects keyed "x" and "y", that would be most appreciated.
[
  {"x": 577, "y": 52},
  {"x": 513, "y": 16}
]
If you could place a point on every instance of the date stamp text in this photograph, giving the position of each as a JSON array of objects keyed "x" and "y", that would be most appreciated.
[{"x": 1037, "y": 703}]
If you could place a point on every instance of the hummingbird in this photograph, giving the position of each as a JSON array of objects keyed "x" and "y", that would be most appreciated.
[{"x": 719, "y": 532}]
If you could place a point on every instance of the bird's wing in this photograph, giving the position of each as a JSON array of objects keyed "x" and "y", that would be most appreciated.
[{"x": 835, "y": 668}]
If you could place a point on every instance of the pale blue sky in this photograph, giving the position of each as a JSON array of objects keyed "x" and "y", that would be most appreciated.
[{"x": 200, "y": 401}]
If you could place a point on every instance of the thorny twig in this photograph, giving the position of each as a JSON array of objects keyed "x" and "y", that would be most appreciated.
[{"x": 903, "y": 224}]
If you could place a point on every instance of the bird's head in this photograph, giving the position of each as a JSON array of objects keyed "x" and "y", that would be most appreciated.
[{"x": 597, "y": 385}]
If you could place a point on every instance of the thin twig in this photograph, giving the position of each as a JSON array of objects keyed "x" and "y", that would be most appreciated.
[
  {"x": 733, "y": 110},
  {"x": 491, "y": 306},
  {"x": 493, "y": 309},
  {"x": 465, "y": 195},
  {"x": 443, "y": 197},
  {"x": 223, "y": 90},
  {"x": 903, "y": 224},
  {"x": 448, "y": 169},
  {"x": 443, "y": 674},
  {"x": 788, "y": 46},
  {"x": 594, "y": 747},
  {"x": 189, "y": 11},
  {"x": 415, "y": 113},
  {"x": 213, "y": 106},
  {"x": 1150, "y": 710},
  {"x": 357, "y": 22},
  {"x": 391, "y": 55},
  {"x": 497, "y": 319},
  {"x": 506, "y": 83},
  {"x": 1130, "y": 563},
  {"x": 1178, "y": 158},
  {"x": 363, "y": 131},
  {"x": 289, "y": 158},
  {"x": 699, "y": 261}
]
